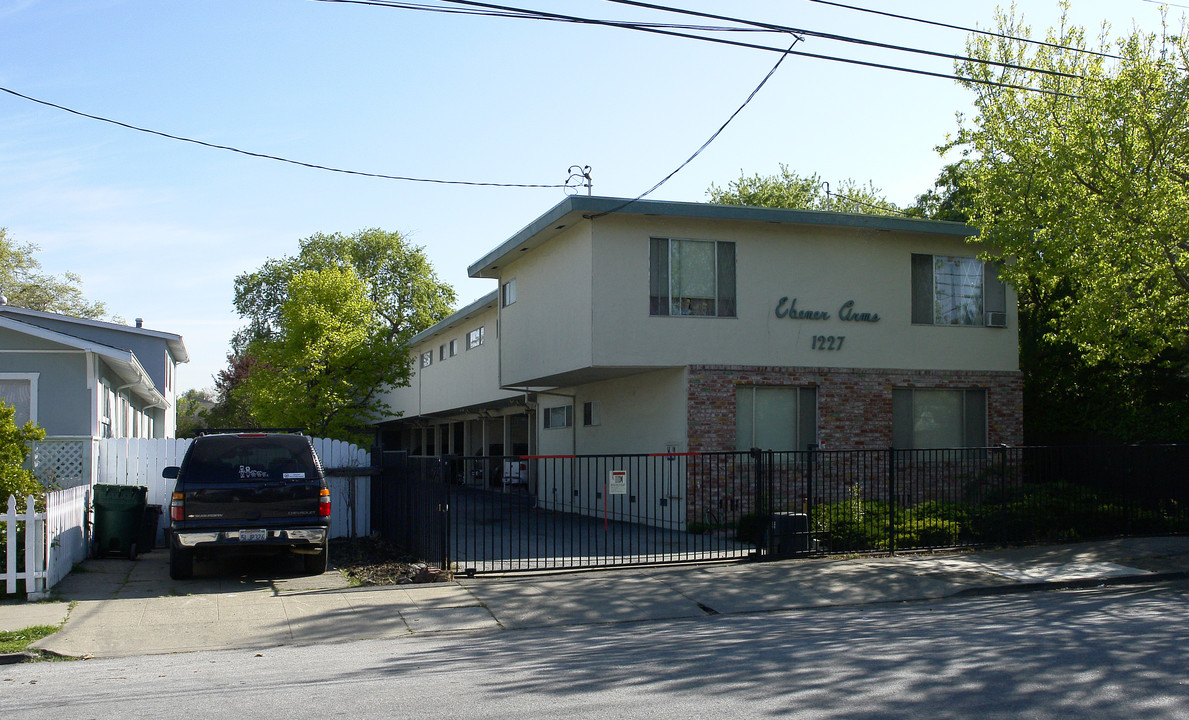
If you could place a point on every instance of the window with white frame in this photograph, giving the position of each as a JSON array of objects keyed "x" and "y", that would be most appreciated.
[
  {"x": 20, "y": 391},
  {"x": 590, "y": 413},
  {"x": 508, "y": 293},
  {"x": 475, "y": 338},
  {"x": 949, "y": 290},
  {"x": 775, "y": 418},
  {"x": 691, "y": 277},
  {"x": 561, "y": 416},
  {"x": 453, "y": 348},
  {"x": 928, "y": 418},
  {"x": 106, "y": 404}
]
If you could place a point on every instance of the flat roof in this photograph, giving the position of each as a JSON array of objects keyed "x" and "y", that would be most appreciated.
[
  {"x": 454, "y": 317},
  {"x": 581, "y": 207}
]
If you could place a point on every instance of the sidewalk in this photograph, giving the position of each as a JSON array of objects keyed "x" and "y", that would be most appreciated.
[{"x": 126, "y": 608}]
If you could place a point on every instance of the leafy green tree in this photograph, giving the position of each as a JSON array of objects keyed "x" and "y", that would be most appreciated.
[
  {"x": 948, "y": 199},
  {"x": 231, "y": 408},
  {"x": 327, "y": 358},
  {"x": 192, "y": 409},
  {"x": 790, "y": 190},
  {"x": 22, "y": 283},
  {"x": 327, "y": 332},
  {"x": 405, "y": 292},
  {"x": 1085, "y": 186},
  {"x": 14, "y": 450}
]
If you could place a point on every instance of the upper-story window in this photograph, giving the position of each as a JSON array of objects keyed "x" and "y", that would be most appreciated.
[
  {"x": 442, "y": 351},
  {"x": 691, "y": 277},
  {"x": 949, "y": 290},
  {"x": 427, "y": 358},
  {"x": 453, "y": 348},
  {"x": 475, "y": 338},
  {"x": 508, "y": 293}
]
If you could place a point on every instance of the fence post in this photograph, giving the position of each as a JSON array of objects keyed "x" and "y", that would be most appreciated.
[
  {"x": 1003, "y": 489},
  {"x": 761, "y": 521},
  {"x": 811, "y": 462},
  {"x": 444, "y": 511},
  {"x": 892, "y": 500}
]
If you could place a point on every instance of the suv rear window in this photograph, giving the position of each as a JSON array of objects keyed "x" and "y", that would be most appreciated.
[{"x": 228, "y": 458}]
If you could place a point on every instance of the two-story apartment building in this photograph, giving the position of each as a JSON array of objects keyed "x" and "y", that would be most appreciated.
[{"x": 688, "y": 327}]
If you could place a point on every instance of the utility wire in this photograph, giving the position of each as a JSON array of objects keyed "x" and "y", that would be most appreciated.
[
  {"x": 752, "y": 46},
  {"x": 969, "y": 30},
  {"x": 270, "y": 157},
  {"x": 839, "y": 38},
  {"x": 528, "y": 15},
  {"x": 705, "y": 144}
]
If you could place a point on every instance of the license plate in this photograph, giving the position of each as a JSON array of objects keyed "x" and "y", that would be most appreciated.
[{"x": 253, "y": 535}]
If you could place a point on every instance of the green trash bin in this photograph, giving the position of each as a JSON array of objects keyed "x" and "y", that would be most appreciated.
[{"x": 119, "y": 519}]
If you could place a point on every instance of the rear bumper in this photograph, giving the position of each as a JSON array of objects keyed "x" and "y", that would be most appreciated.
[{"x": 231, "y": 538}]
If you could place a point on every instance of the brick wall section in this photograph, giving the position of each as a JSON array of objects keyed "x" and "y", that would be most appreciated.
[{"x": 854, "y": 405}]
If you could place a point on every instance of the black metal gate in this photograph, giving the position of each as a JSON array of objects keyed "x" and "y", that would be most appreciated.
[
  {"x": 412, "y": 508},
  {"x": 501, "y": 514}
]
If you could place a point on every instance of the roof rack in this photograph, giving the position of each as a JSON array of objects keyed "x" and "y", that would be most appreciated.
[{"x": 233, "y": 431}]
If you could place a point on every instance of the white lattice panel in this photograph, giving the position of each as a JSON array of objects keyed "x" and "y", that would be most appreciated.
[{"x": 62, "y": 463}]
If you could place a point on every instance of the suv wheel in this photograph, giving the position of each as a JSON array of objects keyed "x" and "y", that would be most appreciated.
[
  {"x": 181, "y": 563},
  {"x": 317, "y": 564}
]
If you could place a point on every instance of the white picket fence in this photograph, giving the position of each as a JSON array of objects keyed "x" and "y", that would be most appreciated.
[
  {"x": 56, "y": 542},
  {"x": 133, "y": 461}
]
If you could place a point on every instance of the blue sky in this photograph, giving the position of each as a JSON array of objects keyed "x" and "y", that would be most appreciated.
[{"x": 159, "y": 229}]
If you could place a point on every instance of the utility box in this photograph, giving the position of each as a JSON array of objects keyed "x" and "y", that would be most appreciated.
[
  {"x": 119, "y": 519},
  {"x": 788, "y": 535}
]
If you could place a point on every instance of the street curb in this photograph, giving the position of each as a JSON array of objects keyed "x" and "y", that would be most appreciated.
[
  {"x": 1146, "y": 579},
  {"x": 17, "y": 657}
]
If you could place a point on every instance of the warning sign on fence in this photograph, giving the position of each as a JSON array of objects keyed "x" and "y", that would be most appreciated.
[{"x": 617, "y": 484}]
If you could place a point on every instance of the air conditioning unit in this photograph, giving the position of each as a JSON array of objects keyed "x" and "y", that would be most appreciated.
[{"x": 996, "y": 319}]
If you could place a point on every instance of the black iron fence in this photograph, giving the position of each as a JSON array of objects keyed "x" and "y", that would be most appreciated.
[{"x": 487, "y": 514}]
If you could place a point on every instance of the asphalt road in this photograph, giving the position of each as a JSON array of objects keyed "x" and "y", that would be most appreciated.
[{"x": 1112, "y": 652}]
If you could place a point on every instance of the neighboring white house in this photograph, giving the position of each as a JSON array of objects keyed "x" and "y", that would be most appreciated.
[
  {"x": 671, "y": 327},
  {"x": 81, "y": 379}
]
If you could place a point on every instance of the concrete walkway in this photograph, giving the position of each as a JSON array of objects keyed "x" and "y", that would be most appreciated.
[{"x": 114, "y": 607}]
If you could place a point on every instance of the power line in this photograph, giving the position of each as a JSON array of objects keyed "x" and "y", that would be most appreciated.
[
  {"x": 270, "y": 157},
  {"x": 705, "y": 144},
  {"x": 839, "y": 38},
  {"x": 968, "y": 30},
  {"x": 527, "y": 13}
]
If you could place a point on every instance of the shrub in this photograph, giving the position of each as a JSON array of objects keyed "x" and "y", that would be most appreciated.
[
  {"x": 927, "y": 533},
  {"x": 854, "y": 524},
  {"x": 14, "y": 478},
  {"x": 14, "y": 450}
]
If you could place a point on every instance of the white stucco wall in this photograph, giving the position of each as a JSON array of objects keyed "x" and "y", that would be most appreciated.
[
  {"x": 468, "y": 378},
  {"x": 821, "y": 267},
  {"x": 642, "y": 413},
  {"x": 548, "y": 329}
]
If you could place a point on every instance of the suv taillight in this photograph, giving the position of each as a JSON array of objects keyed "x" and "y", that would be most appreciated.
[
  {"x": 176, "y": 507},
  {"x": 324, "y": 503}
]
